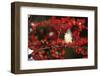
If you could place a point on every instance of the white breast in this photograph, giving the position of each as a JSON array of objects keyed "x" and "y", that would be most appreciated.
[{"x": 68, "y": 36}]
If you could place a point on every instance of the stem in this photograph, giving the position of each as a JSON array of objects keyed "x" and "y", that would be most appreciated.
[{"x": 54, "y": 47}]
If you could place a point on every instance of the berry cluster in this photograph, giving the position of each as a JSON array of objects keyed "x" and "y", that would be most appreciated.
[{"x": 47, "y": 39}]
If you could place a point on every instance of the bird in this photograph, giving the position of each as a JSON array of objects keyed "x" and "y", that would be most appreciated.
[{"x": 68, "y": 36}]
